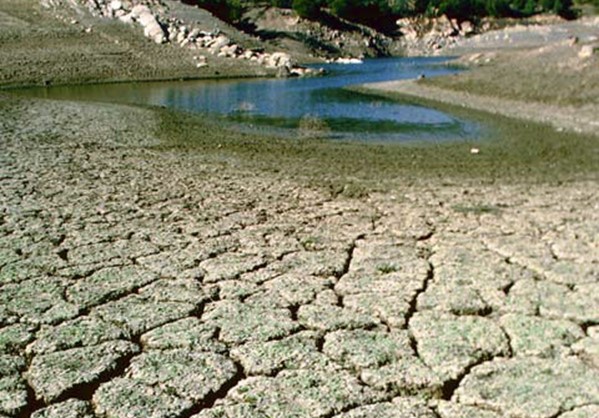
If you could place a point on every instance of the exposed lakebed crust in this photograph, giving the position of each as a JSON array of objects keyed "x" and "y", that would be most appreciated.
[{"x": 144, "y": 280}]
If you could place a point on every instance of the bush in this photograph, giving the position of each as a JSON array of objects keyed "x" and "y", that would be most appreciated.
[
  {"x": 462, "y": 9},
  {"x": 309, "y": 9},
  {"x": 283, "y": 4},
  {"x": 374, "y": 13},
  {"x": 227, "y": 10}
]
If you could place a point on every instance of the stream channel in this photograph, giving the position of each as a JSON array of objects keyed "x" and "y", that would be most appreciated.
[{"x": 317, "y": 105}]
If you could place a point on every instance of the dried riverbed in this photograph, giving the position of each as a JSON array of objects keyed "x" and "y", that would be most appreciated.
[{"x": 144, "y": 277}]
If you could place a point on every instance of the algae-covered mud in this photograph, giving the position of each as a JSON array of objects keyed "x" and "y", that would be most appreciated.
[{"x": 154, "y": 264}]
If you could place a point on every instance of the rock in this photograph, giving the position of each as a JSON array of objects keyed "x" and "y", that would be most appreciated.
[
  {"x": 230, "y": 50},
  {"x": 283, "y": 72},
  {"x": 116, "y": 5},
  {"x": 467, "y": 28},
  {"x": 126, "y": 18},
  {"x": 193, "y": 34},
  {"x": 154, "y": 31},
  {"x": 147, "y": 20},
  {"x": 278, "y": 60},
  {"x": 140, "y": 9},
  {"x": 349, "y": 61},
  {"x": 217, "y": 43},
  {"x": 530, "y": 387},
  {"x": 587, "y": 51}
]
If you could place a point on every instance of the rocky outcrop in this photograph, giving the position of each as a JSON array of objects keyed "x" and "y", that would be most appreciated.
[
  {"x": 432, "y": 34},
  {"x": 147, "y": 20},
  {"x": 162, "y": 26},
  {"x": 330, "y": 38}
]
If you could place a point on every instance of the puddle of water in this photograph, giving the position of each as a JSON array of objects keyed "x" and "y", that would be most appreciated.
[{"x": 286, "y": 105}]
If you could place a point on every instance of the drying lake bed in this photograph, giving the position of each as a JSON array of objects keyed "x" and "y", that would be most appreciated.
[
  {"x": 161, "y": 263},
  {"x": 155, "y": 264}
]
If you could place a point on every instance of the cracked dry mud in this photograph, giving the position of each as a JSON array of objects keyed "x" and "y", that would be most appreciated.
[{"x": 144, "y": 282}]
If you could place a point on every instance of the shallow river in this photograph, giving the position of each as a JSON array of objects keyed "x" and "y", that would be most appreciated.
[{"x": 283, "y": 105}]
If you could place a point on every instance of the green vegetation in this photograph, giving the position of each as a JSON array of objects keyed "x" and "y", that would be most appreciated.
[
  {"x": 477, "y": 209},
  {"x": 387, "y": 268},
  {"x": 227, "y": 10},
  {"x": 382, "y": 14}
]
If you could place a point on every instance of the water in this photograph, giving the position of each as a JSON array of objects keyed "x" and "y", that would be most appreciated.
[{"x": 283, "y": 105}]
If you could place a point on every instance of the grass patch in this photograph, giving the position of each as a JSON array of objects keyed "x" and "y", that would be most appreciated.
[
  {"x": 386, "y": 268},
  {"x": 477, "y": 209}
]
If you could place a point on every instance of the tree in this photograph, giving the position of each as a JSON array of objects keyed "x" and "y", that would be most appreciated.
[
  {"x": 374, "y": 13},
  {"x": 462, "y": 10},
  {"x": 227, "y": 10},
  {"x": 308, "y": 9}
]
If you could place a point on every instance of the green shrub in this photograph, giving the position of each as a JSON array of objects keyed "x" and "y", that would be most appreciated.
[
  {"x": 227, "y": 10},
  {"x": 283, "y": 4},
  {"x": 309, "y": 9},
  {"x": 374, "y": 13}
]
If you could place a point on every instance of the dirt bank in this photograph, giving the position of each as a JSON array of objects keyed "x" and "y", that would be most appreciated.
[{"x": 69, "y": 46}]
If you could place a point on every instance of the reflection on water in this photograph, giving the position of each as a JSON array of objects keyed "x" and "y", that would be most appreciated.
[{"x": 282, "y": 104}]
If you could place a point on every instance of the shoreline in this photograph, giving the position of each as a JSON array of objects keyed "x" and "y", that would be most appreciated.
[{"x": 562, "y": 118}]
